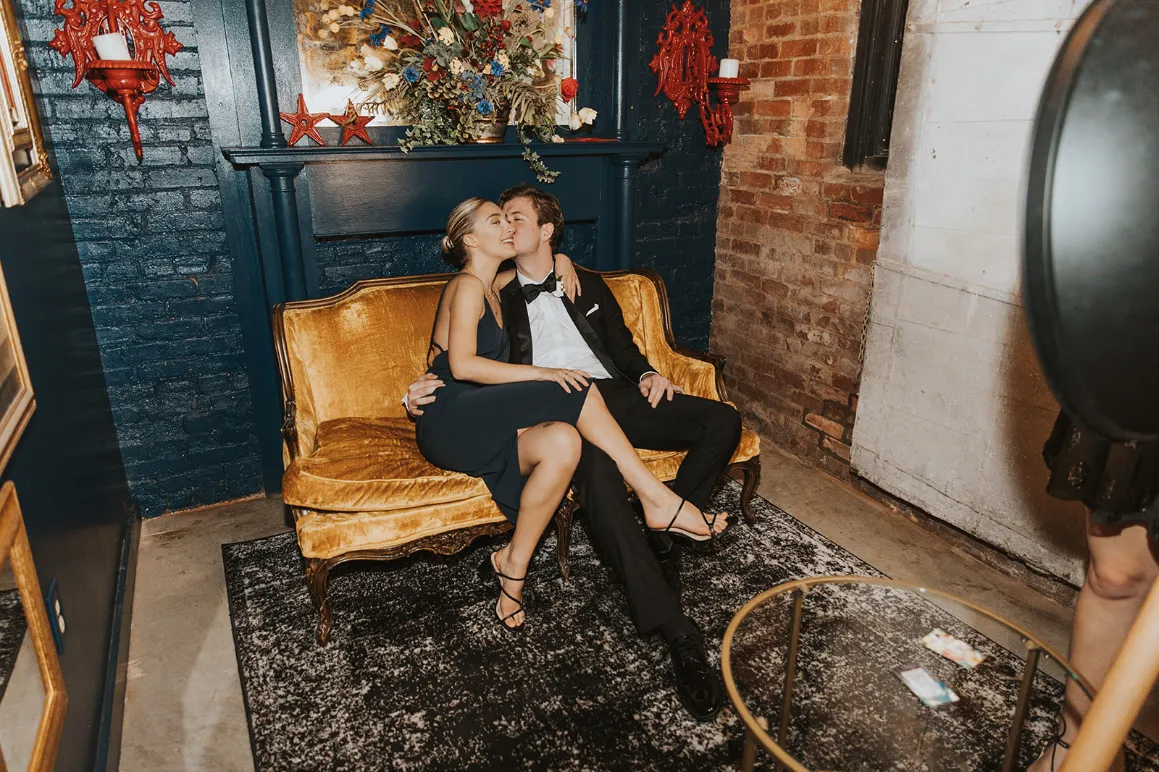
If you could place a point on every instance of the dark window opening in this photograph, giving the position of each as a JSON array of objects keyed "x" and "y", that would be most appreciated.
[{"x": 874, "y": 82}]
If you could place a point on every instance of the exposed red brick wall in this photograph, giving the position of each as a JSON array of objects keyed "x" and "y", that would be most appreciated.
[{"x": 797, "y": 232}]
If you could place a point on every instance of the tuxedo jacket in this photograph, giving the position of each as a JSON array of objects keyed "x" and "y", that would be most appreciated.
[{"x": 596, "y": 315}]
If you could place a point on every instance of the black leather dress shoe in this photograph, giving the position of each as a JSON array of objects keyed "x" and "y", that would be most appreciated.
[
  {"x": 668, "y": 556},
  {"x": 697, "y": 683}
]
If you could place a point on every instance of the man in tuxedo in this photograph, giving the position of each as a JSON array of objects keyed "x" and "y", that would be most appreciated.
[{"x": 548, "y": 330}]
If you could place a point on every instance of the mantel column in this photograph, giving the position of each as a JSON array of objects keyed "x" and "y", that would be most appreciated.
[{"x": 625, "y": 192}]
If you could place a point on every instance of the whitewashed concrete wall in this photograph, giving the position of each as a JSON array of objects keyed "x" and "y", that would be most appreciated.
[{"x": 953, "y": 410}]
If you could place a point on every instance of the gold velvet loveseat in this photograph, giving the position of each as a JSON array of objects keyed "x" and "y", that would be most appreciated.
[{"x": 355, "y": 482}]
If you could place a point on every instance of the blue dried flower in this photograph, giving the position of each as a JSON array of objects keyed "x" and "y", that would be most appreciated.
[
  {"x": 367, "y": 9},
  {"x": 411, "y": 73},
  {"x": 582, "y": 6},
  {"x": 496, "y": 69},
  {"x": 485, "y": 108},
  {"x": 540, "y": 5},
  {"x": 379, "y": 36}
]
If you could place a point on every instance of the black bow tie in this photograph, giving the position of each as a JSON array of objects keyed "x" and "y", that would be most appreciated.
[{"x": 532, "y": 291}]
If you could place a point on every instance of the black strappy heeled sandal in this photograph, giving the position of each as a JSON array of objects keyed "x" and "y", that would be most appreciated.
[
  {"x": 488, "y": 571},
  {"x": 696, "y": 537},
  {"x": 1055, "y": 742}
]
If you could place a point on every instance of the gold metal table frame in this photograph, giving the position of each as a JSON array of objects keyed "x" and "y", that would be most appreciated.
[{"x": 756, "y": 730}]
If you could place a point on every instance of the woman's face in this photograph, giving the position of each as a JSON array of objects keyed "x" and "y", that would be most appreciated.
[{"x": 493, "y": 234}]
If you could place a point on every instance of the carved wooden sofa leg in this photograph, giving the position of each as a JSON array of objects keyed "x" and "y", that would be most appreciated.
[
  {"x": 318, "y": 578},
  {"x": 563, "y": 521},
  {"x": 751, "y": 470}
]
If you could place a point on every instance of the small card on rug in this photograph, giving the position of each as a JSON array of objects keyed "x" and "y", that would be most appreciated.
[
  {"x": 928, "y": 689},
  {"x": 953, "y": 649}
]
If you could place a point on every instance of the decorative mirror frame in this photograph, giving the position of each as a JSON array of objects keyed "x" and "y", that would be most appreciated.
[
  {"x": 14, "y": 548},
  {"x": 20, "y": 130},
  {"x": 17, "y": 412}
]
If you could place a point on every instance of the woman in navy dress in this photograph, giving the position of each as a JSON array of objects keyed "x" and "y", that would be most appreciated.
[{"x": 516, "y": 426}]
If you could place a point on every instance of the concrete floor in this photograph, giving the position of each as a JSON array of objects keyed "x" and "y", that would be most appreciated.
[{"x": 184, "y": 706}]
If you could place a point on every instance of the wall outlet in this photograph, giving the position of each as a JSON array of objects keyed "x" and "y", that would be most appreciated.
[{"x": 55, "y": 615}]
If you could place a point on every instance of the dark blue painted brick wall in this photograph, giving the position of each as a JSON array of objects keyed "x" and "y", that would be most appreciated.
[
  {"x": 677, "y": 194},
  {"x": 157, "y": 268}
]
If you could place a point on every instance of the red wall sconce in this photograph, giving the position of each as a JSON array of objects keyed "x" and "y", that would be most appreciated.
[
  {"x": 683, "y": 64},
  {"x": 97, "y": 34}
]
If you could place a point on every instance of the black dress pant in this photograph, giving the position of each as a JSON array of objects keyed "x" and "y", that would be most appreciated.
[{"x": 708, "y": 430}]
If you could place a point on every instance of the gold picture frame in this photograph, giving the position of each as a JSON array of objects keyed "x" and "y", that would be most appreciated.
[
  {"x": 17, "y": 402},
  {"x": 24, "y": 169},
  {"x": 15, "y": 550}
]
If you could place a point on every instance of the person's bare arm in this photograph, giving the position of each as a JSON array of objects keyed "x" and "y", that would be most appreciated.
[
  {"x": 466, "y": 308},
  {"x": 565, "y": 272}
]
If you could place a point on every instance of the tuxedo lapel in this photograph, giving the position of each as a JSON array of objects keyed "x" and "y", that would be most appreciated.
[
  {"x": 518, "y": 325},
  {"x": 589, "y": 335}
]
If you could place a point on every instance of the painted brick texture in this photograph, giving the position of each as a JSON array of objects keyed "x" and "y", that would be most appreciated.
[
  {"x": 676, "y": 195},
  {"x": 797, "y": 233},
  {"x": 152, "y": 244}
]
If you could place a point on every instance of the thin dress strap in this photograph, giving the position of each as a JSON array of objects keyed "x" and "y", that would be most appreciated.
[{"x": 434, "y": 324}]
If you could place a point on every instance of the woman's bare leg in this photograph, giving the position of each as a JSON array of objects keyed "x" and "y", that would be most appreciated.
[
  {"x": 548, "y": 454},
  {"x": 598, "y": 426},
  {"x": 1121, "y": 571}
]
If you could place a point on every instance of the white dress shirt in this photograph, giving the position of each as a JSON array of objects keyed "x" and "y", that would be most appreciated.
[{"x": 555, "y": 340}]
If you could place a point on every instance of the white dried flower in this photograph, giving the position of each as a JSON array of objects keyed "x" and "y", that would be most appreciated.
[
  {"x": 390, "y": 44},
  {"x": 574, "y": 122},
  {"x": 556, "y": 138},
  {"x": 456, "y": 66},
  {"x": 588, "y": 115},
  {"x": 446, "y": 36},
  {"x": 323, "y": 33},
  {"x": 335, "y": 27},
  {"x": 374, "y": 64},
  {"x": 549, "y": 13},
  {"x": 502, "y": 58},
  {"x": 391, "y": 80}
]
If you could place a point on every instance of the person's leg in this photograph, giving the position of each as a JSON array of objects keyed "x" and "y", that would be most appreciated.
[
  {"x": 548, "y": 454},
  {"x": 707, "y": 429},
  {"x": 617, "y": 534},
  {"x": 1121, "y": 571},
  {"x": 660, "y": 503}
]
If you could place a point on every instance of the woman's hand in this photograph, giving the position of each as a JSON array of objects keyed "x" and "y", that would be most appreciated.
[
  {"x": 565, "y": 273},
  {"x": 576, "y": 379}
]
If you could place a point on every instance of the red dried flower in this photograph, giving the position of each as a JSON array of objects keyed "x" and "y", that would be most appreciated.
[
  {"x": 505, "y": 25},
  {"x": 568, "y": 88},
  {"x": 488, "y": 7}
]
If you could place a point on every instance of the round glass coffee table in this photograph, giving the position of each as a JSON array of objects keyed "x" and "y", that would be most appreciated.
[{"x": 815, "y": 670}]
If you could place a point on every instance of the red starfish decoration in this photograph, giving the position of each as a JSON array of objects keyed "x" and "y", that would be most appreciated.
[
  {"x": 353, "y": 125},
  {"x": 304, "y": 123}
]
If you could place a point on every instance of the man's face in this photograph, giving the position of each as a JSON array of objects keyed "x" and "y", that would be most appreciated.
[{"x": 528, "y": 233}]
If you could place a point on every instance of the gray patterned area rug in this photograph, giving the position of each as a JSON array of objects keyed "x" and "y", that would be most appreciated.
[
  {"x": 418, "y": 674},
  {"x": 12, "y": 627}
]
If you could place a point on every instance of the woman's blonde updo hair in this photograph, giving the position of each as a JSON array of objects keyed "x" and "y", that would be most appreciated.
[{"x": 460, "y": 222}]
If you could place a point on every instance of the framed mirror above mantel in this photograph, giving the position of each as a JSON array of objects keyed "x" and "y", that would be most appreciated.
[{"x": 290, "y": 209}]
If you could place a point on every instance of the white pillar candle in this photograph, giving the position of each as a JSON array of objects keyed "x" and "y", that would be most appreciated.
[
  {"x": 729, "y": 68},
  {"x": 112, "y": 46}
]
